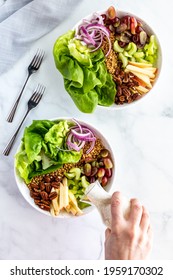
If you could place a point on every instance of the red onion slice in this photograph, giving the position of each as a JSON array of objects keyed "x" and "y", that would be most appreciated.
[
  {"x": 91, "y": 147},
  {"x": 78, "y": 136},
  {"x": 91, "y": 32}
]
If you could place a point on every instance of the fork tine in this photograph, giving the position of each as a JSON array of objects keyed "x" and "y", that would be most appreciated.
[
  {"x": 34, "y": 58},
  {"x": 39, "y": 97},
  {"x": 39, "y": 60},
  {"x": 42, "y": 90},
  {"x": 41, "y": 94},
  {"x": 38, "y": 93},
  {"x": 33, "y": 97}
]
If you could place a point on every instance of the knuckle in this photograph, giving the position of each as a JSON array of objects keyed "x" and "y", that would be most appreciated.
[
  {"x": 136, "y": 205},
  {"x": 116, "y": 202},
  {"x": 131, "y": 235}
]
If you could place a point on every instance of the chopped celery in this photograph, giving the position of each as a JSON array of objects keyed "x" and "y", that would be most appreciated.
[
  {"x": 132, "y": 48},
  {"x": 127, "y": 54},
  {"x": 151, "y": 50},
  {"x": 69, "y": 175},
  {"x": 117, "y": 48},
  {"x": 139, "y": 54},
  {"x": 77, "y": 184},
  {"x": 132, "y": 59},
  {"x": 123, "y": 59},
  {"x": 85, "y": 183},
  {"x": 147, "y": 54},
  {"x": 76, "y": 171}
]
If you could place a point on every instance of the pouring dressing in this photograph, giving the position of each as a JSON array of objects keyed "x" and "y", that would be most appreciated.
[{"x": 96, "y": 195}]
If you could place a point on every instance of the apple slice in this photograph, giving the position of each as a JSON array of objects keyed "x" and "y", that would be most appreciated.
[
  {"x": 73, "y": 204},
  {"x": 144, "y": 78},
  {"x": 63, "y": 196},
  {"x": 133, "y": 25},
  {"x": 140, "y": 64},
  {"x": 146, "y": 71},
  {"x": 142, "y": 89},
  {"x": 55, "y": 203}
]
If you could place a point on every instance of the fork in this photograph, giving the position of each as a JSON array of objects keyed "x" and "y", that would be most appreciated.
[
  {"x": 32, "y": 68},
  {"x": 32, "y": 103}
]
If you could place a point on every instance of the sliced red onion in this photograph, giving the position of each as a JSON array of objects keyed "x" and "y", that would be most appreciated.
[
  {"x": 95, "y": 49},
  {"x": 99, "y": 18},
  {"x": 87, "y": 41},
  {"x": 91, "y": 147},
  {"x": 73, "y": 145},
  {"x": 78, "y": 124},
  {"x": 88, "y": 36},
  {"x": 78, "y": 136},
  {"x": 98, "y": 26},
  {"x": 92, "y": 33},
  {"x": 83, "y": 136}
]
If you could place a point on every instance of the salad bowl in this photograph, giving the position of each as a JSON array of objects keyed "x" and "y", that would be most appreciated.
[
  {"x": 113, "y": 60},
  {"x": 34, "y": 187}
]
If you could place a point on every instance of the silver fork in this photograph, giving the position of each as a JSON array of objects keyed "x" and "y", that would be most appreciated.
[
  {"x": 32, "y": 103},
  {"x": 32, "y": 68}
]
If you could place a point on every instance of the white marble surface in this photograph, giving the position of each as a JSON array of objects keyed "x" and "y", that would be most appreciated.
[{"x": 141, "y": 136}]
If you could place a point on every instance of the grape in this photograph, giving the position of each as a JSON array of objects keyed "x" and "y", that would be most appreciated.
[
  {"x": 142, "y": 37},
  {"x": 135, "y": 38},
  {"x": 101, "y": 172},
  {"x": 127, "y": 21},
  {"x": 87, "y": 169},
  {"x": 121, "y": 28},
  {"x": 108, "y": 172},
  {"x": 104, "y": 181},
  {"x": 93, "y": 171},
  {"x": 104, "y": 153},
  {"x": 108, "y": 163},
  {"x": 116, "y": 22}
]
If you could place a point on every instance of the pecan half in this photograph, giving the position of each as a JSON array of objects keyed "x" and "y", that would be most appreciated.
[
  {"x": 45, "y": 202},
  {"x": 34, "y": 186},
  {"x": 34, "y": 194},
  {"x": 48, "y": 187},
  {"x": 42, "y": 186},
  {"x": 55, "y": 185},
  {"x": 44, "y": 195},
  {"x": 37, "y": 201},
  {"x": 52, "y": 195},
  {"x": 45, "y": 207},
  {"x": 47, "y": 179}
]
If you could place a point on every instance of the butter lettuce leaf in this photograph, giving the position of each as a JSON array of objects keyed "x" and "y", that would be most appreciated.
[
  {"x": 86, "y": 78},
  {"x": 57, "y": 133},
  {"x": 39, "y": 153}
]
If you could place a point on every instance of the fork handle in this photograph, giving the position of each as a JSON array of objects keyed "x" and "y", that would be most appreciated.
[
  {"x": 11, "y": 142},
  {"x": 13, "y": 110}
]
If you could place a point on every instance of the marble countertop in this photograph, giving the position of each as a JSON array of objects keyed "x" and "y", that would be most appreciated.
[{"x": 141, "y": 137}]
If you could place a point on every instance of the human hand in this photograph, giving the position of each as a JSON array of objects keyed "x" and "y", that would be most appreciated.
[{"x": 130, "y": 238}]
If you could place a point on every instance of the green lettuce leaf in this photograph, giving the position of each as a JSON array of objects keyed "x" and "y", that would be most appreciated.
[
  {"x": 39, "y": 153},
  {"x": 22, "y": 165},
  {"x": 57, "y": 133},
  {"x": 63, "y": 58},
  {"x": 86, "y": 78},
  {"x": 86, "y": 102}
]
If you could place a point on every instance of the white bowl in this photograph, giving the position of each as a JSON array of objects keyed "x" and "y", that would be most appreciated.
[
  {"x": 25, "y": 190},
  {"x": 158, "y": 64}
]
